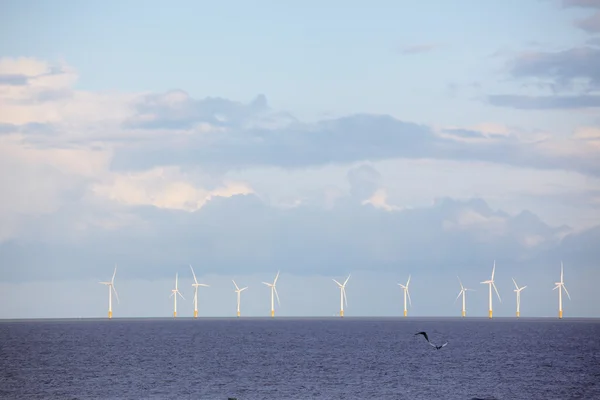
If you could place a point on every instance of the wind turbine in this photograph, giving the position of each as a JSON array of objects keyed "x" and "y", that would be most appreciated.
[
  {"x": 518, "y": 290},
  {"x": 174, "y": 294},
  {"x": 239, "y": 295},
  {"x": 560, "y": 286},
  {"x": 195, "y": 285},
  {"x": 406, "y": 292},
  {"x": 273, "y": 291},
  {"x": 111, "y": 288},
  {"x": 342, "y": 295},
  {"x": 463, "y": 291},
  {"x": 491, "y": 283}
]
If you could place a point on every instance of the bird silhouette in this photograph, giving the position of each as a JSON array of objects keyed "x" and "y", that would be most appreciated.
[{"x": 431, "y": 344}]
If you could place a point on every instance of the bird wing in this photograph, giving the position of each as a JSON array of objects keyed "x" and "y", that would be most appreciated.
[
  {"x": 424, "y": 334},
  {"x": 445, "y": 344},
  {"x": 432, "y": 345}
]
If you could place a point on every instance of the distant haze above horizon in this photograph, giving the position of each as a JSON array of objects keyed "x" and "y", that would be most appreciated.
[{"x": 319, "y": 140}]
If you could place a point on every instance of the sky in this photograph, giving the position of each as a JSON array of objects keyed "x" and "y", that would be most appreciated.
[{"x": 381, "y": 139}]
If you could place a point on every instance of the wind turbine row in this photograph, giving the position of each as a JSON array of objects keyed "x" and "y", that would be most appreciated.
[{"x": 343, "y": 298}]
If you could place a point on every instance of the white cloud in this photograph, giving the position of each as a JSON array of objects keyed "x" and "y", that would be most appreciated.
[
  {"x": 379, "y": 200},
  {"x": 164, "y": 187}
]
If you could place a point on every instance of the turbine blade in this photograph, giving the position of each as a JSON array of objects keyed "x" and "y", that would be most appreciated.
[
  {"x": 561, "y": 272},
  {"x": 276, "y": 294},
  {"x": 339, "y": 284},
  {"x": 409, "y": 300},
  {"x": 179, "y": 293},
  {"x": 498, "y": 294},
  {"x": 114, "y": 273},
  {"x": 276, "y": 277},
  {"x": 116, "y": 294},
  {"x": 523, "y": 287},
  {"x": 242, "y": 289},
  {"x": 195, "y": 280},
  {"x": 515, "y": 282},
  {"x": 268, "y": 284},
  {"x": 461, "y": 285},
  {"x": 346, "y": 281},
  {"x": 235, "y": 284},
  {"x": 407, "y": 282},
  {"x": 493, "y": 270},
  {"x": 566, "y": 291},
  {"x": 459, "y": 293}
]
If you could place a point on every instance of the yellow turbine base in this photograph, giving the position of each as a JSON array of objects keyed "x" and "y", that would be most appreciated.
[
  {"x": 110, "y": 314},
  {"x": 518, "y": 314},
  {"x": 272, "y": 313},
  {"x": 174, "y": 314},
  {"x": 195, "y": 313},
  {"x": 238, "y": 313},
  {"x": 560, "y": 314},
  {"x": 463, "y": 313},
  {"x": 490, "y": 313},
  {"x": 342, "y": 313},
  {"x": 405, "y": 313}
]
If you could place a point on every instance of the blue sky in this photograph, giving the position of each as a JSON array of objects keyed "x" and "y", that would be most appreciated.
[{"x": 319, "y": 139}]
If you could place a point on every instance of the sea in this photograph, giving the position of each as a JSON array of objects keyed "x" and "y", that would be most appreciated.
[{"x": 300, "y": 358}]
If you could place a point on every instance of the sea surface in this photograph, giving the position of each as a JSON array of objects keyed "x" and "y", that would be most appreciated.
[{"x": 285, "y": 358}]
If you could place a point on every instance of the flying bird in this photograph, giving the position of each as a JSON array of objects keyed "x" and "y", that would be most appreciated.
[{"x": 431, "y": 344}]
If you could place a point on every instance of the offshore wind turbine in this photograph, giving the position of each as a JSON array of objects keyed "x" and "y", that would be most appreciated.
[
  {"x": 560, "y": 286},
  {"x": 111, "y": 288},
  {"x": 406, "y": 292},
  {"x": 463, "y": 291},
  {"x": 196, "y": 285},
  {"x": 174, "y": 294},
  {"x": 239, "y": 295},
  {"x": 342, "y": 295},
  {"x": 273, "y": 291},
  {"x": 518, "y": 291},
  {"x": 491, "y": 283}
]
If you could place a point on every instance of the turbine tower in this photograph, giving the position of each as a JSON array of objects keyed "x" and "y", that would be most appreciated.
[
  {"x": 463, "y": 291},
  {"x": 342, "y": 295},
  {"x": 491, "y": 283},
  {"x": 239, "y": 295},
  {"x": 560, "y": 286},
  {"x": 174, "y": 294},
  {"x": 406, "y": 292},
  {"x": 273, "y": 292},
  {"x": 111, "y": 288},
  {"x": 518, "y": 291},
  {"x": 196, "y": 285}
]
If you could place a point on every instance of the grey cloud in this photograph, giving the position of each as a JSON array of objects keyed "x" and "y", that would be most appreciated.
[
  {"x": 594, "y": 41},
  {"x": 364, "y": 181},
  {"x": 177, "y": 110},
  {"x": 345, "y": 140},
  {"x": 545, "y": 102},
  {"x": 590, "y": 24},
  {"x": 419, "y": 48},
  {"x": 465, "y": 133},
  {"x": 7, "y": 128},
  {"x": 581, "y": 3},
  {"x": 243, "y": 235},
  {"x": 32, "y": 128},
  {"x": 13, "y": 79},
  {"x": 563, "y": 67}
]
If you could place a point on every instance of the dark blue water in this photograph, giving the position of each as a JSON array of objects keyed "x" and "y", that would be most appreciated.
[{"x": 300, "y": 359}]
